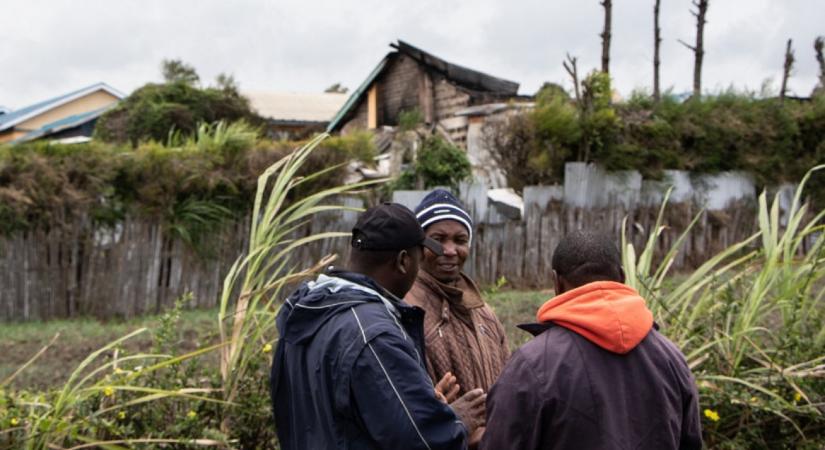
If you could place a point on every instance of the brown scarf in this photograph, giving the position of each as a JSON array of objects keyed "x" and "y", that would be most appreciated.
[{"x": 461, "y": 297}]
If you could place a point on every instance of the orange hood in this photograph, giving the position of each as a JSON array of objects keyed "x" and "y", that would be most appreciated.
[{"x": 610, "y": 315}]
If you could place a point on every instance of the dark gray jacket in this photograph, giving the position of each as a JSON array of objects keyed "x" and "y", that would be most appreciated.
[{"x": 562, "y": 391}]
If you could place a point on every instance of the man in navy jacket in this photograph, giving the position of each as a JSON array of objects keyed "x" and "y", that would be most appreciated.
[{"x": 349, "y": 369}]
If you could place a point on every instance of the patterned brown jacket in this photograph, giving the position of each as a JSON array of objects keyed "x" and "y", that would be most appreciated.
[{"x": 462, "y": 335}]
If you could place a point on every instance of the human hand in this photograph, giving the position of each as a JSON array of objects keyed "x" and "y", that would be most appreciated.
[
  {"x": 471, "y": 409},
  {"x": 447, "y": 389},
  {"x": 475, "y": 438}
]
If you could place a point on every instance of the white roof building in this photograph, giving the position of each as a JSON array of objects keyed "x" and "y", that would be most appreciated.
[{"x": 290, "y": 108}]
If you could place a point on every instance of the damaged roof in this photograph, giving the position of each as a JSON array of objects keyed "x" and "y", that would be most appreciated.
[
  {"x": 469, "y": 78},
  {"x": 460, "y": 75}
]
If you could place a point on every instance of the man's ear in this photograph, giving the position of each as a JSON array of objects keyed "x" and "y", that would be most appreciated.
[
  {"x": 556, "y": 283},
  {"x": 402, "y": 261}
]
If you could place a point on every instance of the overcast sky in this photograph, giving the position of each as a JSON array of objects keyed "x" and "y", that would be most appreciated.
[{"x": 55, "y": 46}]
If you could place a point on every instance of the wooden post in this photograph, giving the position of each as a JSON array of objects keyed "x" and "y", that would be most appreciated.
[
  {"x": 372, "y": 107},
  {"x": 426, "y": 95}
]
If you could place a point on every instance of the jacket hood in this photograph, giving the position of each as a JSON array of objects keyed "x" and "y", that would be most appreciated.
[
  {"x": 314, "y": 302},
  {"x": 609, "y": 314}
]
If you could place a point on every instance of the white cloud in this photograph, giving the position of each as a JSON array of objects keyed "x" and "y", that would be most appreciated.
[{"x": 51, "y": 47}]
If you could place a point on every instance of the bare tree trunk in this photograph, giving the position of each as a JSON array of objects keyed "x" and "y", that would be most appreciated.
[
  {"x": 571, "y": 67},
  {"x": 786, "y": 72},
  {"x": 574, "y": 74},
  {"x": 608, "y": 18},
  {"x": 819, "y": 43},
  {"x": 657, "y": 41},
  {"x": 699, "y": 48}
]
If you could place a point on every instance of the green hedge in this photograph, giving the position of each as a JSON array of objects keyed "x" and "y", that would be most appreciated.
[
  {"x": 775, "y": 141},
  {"x": 192, "y": 185}
]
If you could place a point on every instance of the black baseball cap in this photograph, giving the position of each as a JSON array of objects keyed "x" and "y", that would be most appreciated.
[{"x": 388, "y": 227}]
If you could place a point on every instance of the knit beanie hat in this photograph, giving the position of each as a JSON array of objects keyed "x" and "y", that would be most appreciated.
[{"x": 441, "y": 205}]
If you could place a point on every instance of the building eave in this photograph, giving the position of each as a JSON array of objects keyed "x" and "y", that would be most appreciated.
[{"x": 81, "y": 93}]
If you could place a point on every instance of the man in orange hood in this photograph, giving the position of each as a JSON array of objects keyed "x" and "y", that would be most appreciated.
[{"x": 598, "y": 374}]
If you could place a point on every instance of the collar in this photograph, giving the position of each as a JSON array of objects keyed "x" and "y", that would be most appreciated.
[
  {"x": 336, "y": 279},
  {"x": 536, "y": 328}
]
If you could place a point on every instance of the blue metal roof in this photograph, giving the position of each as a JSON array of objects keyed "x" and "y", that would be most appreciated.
[{"x": 12, "y": 118}]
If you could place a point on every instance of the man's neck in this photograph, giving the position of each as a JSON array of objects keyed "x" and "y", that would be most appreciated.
[{"x": 375, "y": 276}]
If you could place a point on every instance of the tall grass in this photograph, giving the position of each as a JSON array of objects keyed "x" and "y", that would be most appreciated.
[
  {"x": 248, "y": 319},
  {"x": 55, "y": 419},
  {"x": 751, "y": 323},
  {"x": 108, "y": 383}
]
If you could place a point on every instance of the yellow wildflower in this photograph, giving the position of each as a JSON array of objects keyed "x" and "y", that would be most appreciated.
[
  {"x": 119, "y": 371},
  {"x": 191, "y": 414},
  {"x": 797, "y": 397},
  {"x": 712, "y": 415},
  {"x": 108, "y": 391},
  {"x": 15, "y": 421},
  {"x": 121, "y": 415},
  {"x": 267, "y": 348}
]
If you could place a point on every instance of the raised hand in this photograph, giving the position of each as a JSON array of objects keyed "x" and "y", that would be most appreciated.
[{"x": 447, "y": 388}]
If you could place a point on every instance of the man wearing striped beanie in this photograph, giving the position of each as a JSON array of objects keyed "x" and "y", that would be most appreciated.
[{"x": 465, "y": 343}]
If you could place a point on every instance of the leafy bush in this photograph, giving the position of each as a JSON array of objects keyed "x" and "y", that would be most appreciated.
[
  {"x": 437, "y": 163},
  {"x": 531, "y": 148},
  {"x": 752, "y": 326},
  {"x": 154, "y": 111},
  {"x": 408, "y": 120},
  {"x": 358, "y": 144}
]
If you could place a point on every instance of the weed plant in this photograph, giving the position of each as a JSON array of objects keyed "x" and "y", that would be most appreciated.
[{"x": 751, "y": 323}]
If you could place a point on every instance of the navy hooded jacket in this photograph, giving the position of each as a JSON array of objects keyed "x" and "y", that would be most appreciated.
[{"x": 348, "y": 372}]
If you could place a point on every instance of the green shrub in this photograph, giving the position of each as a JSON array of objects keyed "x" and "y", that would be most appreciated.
[
  {"x": 154, "y": 111},
  {"x": 192, "y": 185},
  {"x": 408, "y": 120},
  {"x": 438, "y": 163},
  {"x": 776, "y": 142},
  {"x": 549, "y": 92},
  {"x": 358, "y": 145}
]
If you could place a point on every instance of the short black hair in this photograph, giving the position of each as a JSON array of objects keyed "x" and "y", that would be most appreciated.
[
  {"x": 370, "y": 259},
  {"x": 586, "y": 256}
]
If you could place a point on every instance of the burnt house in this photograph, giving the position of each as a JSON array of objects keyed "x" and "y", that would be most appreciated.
[{"x": 409, "y": 79}]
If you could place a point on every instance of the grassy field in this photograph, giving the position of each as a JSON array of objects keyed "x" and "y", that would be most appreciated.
[
  {"x": 80, "y": 337},
  {"x": 77, "y": 338},
  {"x": 517, "y": 307}
]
